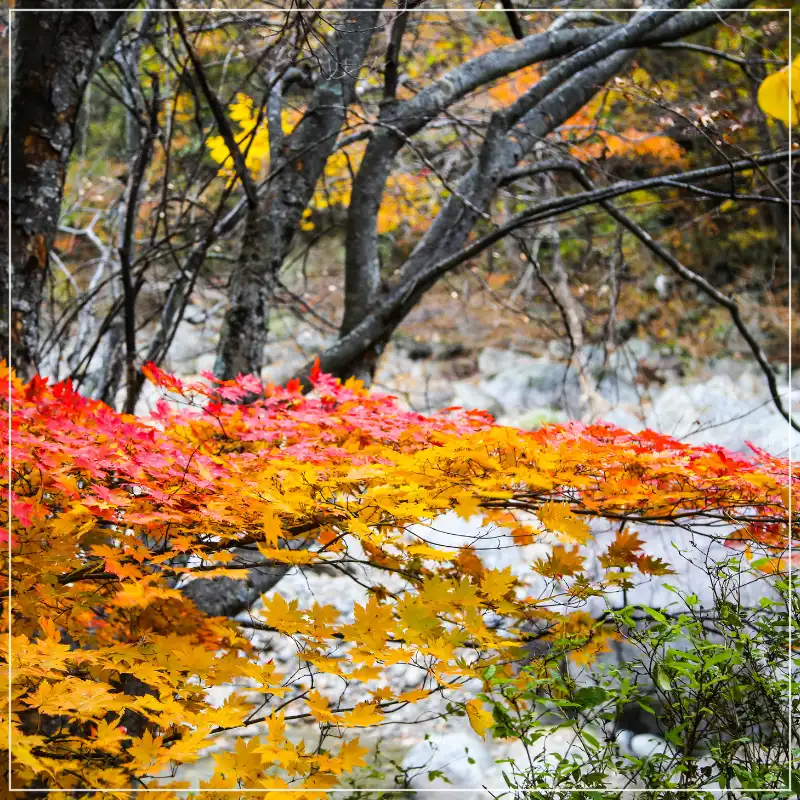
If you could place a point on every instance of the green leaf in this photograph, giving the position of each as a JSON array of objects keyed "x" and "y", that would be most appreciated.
[
  {"x": 592, "y": 741},
  {"x": 590, "y": 696},
  {"x": 656, "y": 615},
  {"x": 661, "y": 679}
]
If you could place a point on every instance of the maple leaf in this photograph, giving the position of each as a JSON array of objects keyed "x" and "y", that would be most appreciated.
[
  {"x": 558, "y": 517},
  {"x": 362, "y": 716},
  {"x": 428, "y": 552},
  {"x": 467, "y": 506},
  {"x": 436, "y": 591},
  {"x": 319, "y": 708},
  {"x": 245, "y": 761},
  {"x": 468, "y": 562},
  {"x": 560, "y": 563},
  {"x": 522, "y": 536},
  {"x": 230, "y": 714},
  {"x": 284, "y": 616},
  {"x": 464, "y": 594},
  {"x": 272, "y": 528},
  {"x": 219, "y": 780},
  {"x": 351, "y": 755},
  {"x": 622, "y": 551},
  {"x": 480, "y": 719},
  {"x": 276, "y": 724},
  {"x": 108, "y": 735},
  {"x": 649, "y": 565},
  {"x": 146, "y": 750},
  {"x": 495, "y": 584},
  {"x": 286, "y": 556},
  {"x": 774, "y": 97}
]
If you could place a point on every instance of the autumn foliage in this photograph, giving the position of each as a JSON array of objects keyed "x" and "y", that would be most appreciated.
[{"x": 113, "y": 514}]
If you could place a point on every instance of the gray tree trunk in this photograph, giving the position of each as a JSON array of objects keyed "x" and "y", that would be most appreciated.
[
  {"x": 297, "y": 164},
  {"x": 54, "y": 55}
]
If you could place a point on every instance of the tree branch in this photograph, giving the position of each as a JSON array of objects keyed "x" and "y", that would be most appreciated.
[
  {"x": 220, "y": 117},
  {"x": 393, "y": 309},
  {"x": 127, "y": 246},
  {"x": 513, "y": 19},
  {"x": 697, "y": 280}
]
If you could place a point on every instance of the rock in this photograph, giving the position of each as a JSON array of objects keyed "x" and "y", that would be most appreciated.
[
  {"x": 623, "y": 418},
  {"x": 619, "y": 391},
  {"x": 419, "y": 351},
  {"x": 462, "y": 759},
  {"x": 663, "y": 286},
  {"x": 540, "y": 383},
  {"x": 190, "y": 343},
  {"x": 494, "y": 360},
  {"x": 282, "y": 371},
  {"x": 729, "y": 414},
  {"x": 312, "y": 341},
  {"x": 470, "y": 396},
  {"x": 643, "y": 745},
  {"x": 205, "y": 363}
]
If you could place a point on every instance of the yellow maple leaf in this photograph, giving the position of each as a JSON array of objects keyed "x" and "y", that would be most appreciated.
[
  {"x": 495, "y": 583},
  {"x": 413, "y": 695},
  {"x": 467, "y": 506},
  {"x": 318, "y": 706},
  {"x": 431, "y": 553},
  {"x": 285, "y": 556},
  {"x": 276, "y": 725},
  {"x": 145, "y": 750},
  {"x": 363, "y": 715},
  {"x": 351, "y": 755},
  {"x": 773, "y": 94},
  {"x": 464, "y": 595},
  {"x": 284, "y": 616},
  {"x": 560, "y": 563},
  {"x": 558, "y": 518},
  {"x": 230, "y": 714},
  {"x": 272, "y": 527},
  {"x": 479, "y": 718},
  {"x": 244, "y": 761}
]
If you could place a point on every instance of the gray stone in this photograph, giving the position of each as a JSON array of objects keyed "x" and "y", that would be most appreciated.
[
  {"x": 494, "y": 360},
  {"x": 470, "y": 396},
  {"x": 541, "y": 383},
  {"x": 623, "y": 418},
  {"x": 461, "y": 759},
  {"x": 619, "y": 391},
  {"x": 282, "y": 371},
  {"x": 729, "y": 412},
  {"x": 190, "y": 342}
]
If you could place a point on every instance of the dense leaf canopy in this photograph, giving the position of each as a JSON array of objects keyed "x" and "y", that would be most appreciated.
[{"x": 113, "y": 514}]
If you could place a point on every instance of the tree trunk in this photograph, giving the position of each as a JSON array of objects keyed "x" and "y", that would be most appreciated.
[
  {"x": 54, "y": 54},
  {"x": 298, "y": 162}
]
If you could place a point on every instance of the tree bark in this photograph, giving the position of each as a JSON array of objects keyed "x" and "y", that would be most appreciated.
[
  {"x": 296, "y": 167},
  {"x": 54, "y": 56}
]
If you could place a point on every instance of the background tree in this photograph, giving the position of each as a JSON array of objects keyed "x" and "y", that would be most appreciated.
[
  {"x": 416, "y": 143},
  {"x": 54, "y": 55}
]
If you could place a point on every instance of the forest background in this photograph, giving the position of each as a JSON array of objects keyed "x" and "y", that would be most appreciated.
[{"x": 543, "y": 214}]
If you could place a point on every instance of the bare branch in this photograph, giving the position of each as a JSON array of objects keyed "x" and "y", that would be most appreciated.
[
  {"x": 697, "y": 280},
  {"x": 220, "y": 117},
  {"x": 513, "y": 19},
  {"x": 392, "y": 310}
]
